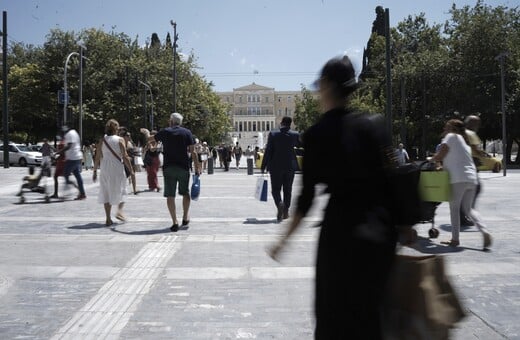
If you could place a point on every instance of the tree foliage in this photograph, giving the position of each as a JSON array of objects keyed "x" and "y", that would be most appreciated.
[
  {"x": 447, "y": 71},
  {"x": 113, "y": 77}
]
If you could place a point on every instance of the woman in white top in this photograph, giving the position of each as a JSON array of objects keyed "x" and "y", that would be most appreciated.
[
  {"x": 455, "y": 154},
  {"x": 112, "y": 157}
]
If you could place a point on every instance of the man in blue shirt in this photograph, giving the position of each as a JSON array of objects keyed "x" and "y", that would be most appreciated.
[
  {"x": 177, "y": 143},
  {"x": 280, "y": 160}
]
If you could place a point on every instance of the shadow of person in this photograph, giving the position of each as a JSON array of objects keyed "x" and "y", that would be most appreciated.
[
  {"x": 252, "y": 220},
  {"x": 143, "y": 232},
  {"x": 88, "y": 226},
  {"x": 426, "y": 246}
]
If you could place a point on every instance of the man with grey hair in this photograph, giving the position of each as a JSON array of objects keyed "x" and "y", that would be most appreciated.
[
  {"x": 472, "y": 123},
  {"x": 177, "y": 143}
]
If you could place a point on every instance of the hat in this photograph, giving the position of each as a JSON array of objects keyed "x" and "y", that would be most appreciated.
[
  {"x": 204, "y": 143},
  {"x": 340, "y": 72}
]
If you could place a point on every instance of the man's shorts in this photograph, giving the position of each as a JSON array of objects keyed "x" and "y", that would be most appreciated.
[{"x": 172, "y": 176}]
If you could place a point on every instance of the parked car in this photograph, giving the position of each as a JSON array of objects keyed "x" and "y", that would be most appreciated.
[
  {"x": 486, "y": 162},
  {"x": 21, "y": 155}
]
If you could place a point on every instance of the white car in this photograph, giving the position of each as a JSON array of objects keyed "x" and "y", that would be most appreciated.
[{"x": 21, "y": 155}]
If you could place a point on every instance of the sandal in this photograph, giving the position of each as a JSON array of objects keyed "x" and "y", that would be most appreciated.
[
  {"x": 185, "y": 222},
  {"x": 120, "y": 217},
  {"x": 108, "y": 223},
  {"x": 174, "y": 228},
  {"x": 451, "y": 243}
]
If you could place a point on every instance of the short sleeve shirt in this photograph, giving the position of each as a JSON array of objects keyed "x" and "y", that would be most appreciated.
[
  {"x": 458, "y": 161},
  {"x": 74, "y": 152},
  {"x": 176, "y": 141}
]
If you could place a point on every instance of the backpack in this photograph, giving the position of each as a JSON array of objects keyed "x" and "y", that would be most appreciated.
[{"x": 402, "y": 182}]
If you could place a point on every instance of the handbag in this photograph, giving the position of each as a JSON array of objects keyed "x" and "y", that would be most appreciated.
[
  {"x": 138, "y": 160},
  {"x": 195, "y": 188},
  {"x": 420, "y": 302},
  {"x": 435, "y": 186},
  {"x": 261, "y": 189},
  {"x": 147, "y": 159}
]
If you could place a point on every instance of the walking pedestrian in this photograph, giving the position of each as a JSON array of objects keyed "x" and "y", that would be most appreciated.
[
  {"x": 280, "y": 160},
  {"x": 152, "y": 162},
  {"x": 60, "y": 165},
  {"x": 402, "y": 155},
  {"x": 132, "y": 153},
  {"x": 472, "y": 124},
  {"x": 112, "y": 158},
  {"x": 46, "y": 153},
  {"x": 177, "y": 142},
  {"x": 237, "y": 154},
  {"x": 357, "y": 243},
  {"x": 455, "y": 154},
  {"x": 73, "y": 159}
]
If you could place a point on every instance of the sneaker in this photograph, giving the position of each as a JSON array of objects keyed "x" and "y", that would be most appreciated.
[{"x": 80, "y": 197}]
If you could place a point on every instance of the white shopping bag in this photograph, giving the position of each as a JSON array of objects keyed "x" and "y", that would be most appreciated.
[{"x": 261, "y": 189}]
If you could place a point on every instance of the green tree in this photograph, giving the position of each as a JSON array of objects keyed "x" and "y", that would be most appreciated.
[{"x": 307, "y": 110}]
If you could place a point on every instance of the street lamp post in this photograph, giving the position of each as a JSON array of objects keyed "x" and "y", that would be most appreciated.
[
  {"x": 175, "y": 37},
  {"x": 66, "y": 99},
  {"x": 81, "y": 57},
  {"x": 500, "y": 58},
  {"x": 147, "y": 86},
  {"x": 5, "y": 106}
]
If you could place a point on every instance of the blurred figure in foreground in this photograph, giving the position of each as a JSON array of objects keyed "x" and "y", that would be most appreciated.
[{"x": 357, "y": 242}]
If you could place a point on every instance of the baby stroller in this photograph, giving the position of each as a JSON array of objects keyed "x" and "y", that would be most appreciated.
[
  {"x": 428, "y": 215},
  {"x": 434, "y": 188},
  {"x": 36, "y": 183}
]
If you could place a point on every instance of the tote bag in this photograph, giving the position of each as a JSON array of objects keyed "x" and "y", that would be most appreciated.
[
  {"x": 261, "y": 189},
  {"x": 434, "y": 186},
  {"x": 420, "y": 301},
  {"x": 195, "y": 188}
]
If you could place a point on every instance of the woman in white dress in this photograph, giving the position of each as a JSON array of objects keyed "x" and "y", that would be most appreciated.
[{"x": 111, "y": 157}]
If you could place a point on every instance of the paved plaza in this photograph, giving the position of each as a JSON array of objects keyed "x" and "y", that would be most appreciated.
[{"x": 64, "y": 275}]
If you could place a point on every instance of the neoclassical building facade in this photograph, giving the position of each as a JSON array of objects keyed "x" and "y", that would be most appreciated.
[{"x": 255, "y": 110}]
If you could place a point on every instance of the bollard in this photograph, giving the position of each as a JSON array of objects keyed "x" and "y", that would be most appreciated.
[
  {"x": 210, "y": 166},
  {"x": 249, "y": 166}
]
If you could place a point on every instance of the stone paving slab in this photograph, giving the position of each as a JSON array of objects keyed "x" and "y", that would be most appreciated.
[{"x": 63, "y": 274}]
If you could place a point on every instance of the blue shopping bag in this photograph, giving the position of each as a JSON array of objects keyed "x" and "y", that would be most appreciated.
[
  {"x": 261, "y": 189},
  {"x": 195, "y": 188}
]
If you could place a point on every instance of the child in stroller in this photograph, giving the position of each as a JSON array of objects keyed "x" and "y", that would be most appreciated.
[{"x": 32, "y": 182}]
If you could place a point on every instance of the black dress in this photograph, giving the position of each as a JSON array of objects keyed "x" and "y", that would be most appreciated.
[{"x": 357, "y": 242}]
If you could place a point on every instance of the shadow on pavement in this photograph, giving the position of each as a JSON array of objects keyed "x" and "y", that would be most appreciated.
[
  {"x": 257, "y": 221},
  {"x": 447, "y": 227},
  {"x": 88, "y": 226},
  {"x": 145, "y": 232},
  {"x": 426, "y": 246},
  {"x": 39, "y": 201}
]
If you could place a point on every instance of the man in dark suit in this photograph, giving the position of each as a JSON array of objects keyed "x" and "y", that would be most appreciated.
[{"x": 280, "y": 160}]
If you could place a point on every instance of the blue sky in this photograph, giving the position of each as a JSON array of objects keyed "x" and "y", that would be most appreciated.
[{"x": 276, "y": 43}]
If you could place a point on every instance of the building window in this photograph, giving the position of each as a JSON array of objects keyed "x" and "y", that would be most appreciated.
[
  {"x": 248, "y": 126},
  {"x": 279, "y": 112},
  {"x": 288, "y": 98},
  {"x": 240, "y": 99},
  {"x": 267, "y": 99},
  {"x": 289, "y": 112},
  {"x": 267, "y": 127},
  {"x": 240, "y": 126},
  {"x": 254, "y": 126},
  {"x": 279, "y": 99}
]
